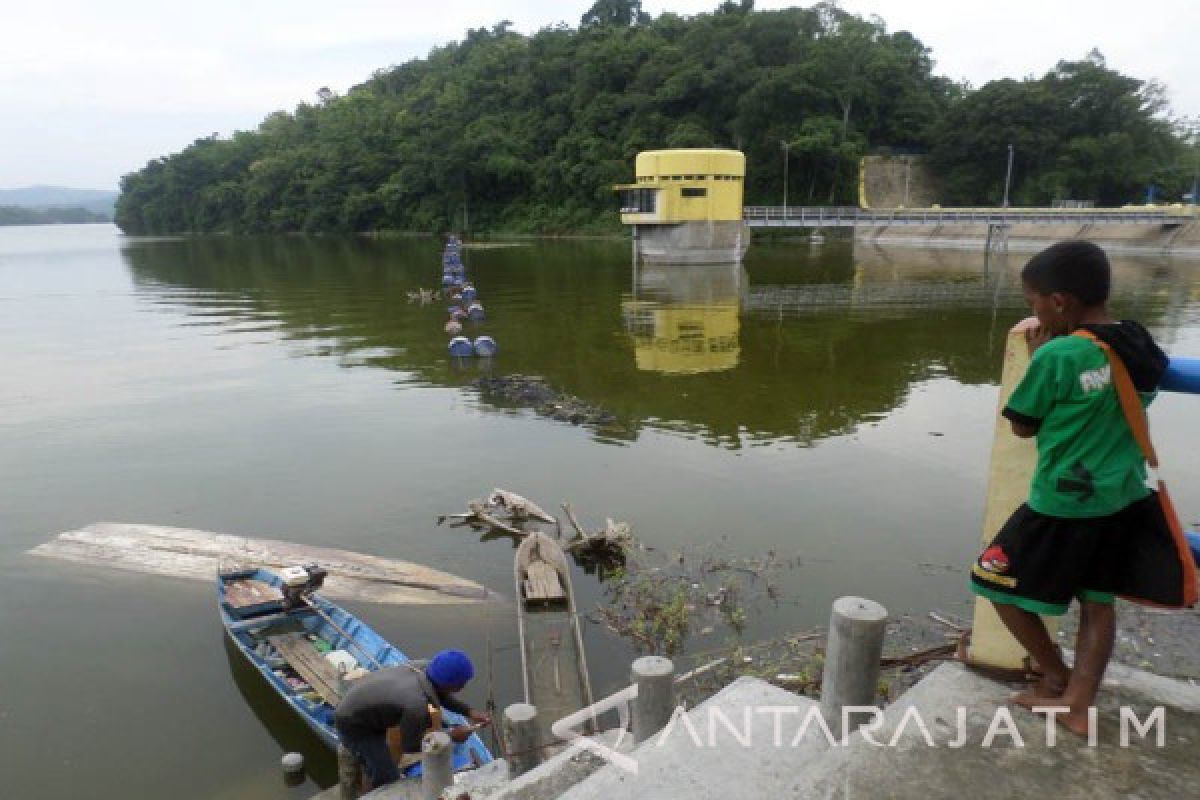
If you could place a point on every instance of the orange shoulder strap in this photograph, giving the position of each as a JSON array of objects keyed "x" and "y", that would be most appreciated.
[{"x": 1131, "y": 403}]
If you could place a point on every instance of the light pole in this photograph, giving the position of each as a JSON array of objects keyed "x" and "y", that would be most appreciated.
[
  {"x": 786, "y": 146},
  {"x": 907, "y": 171},
  {"x": 1008, "y": 175}
]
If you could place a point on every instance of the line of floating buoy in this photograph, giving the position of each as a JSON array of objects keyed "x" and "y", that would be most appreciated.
[{"x": 467, "y": 305}]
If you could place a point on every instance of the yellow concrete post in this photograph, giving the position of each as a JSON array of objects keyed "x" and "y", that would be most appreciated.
[{"x": 1012, "y": 465}]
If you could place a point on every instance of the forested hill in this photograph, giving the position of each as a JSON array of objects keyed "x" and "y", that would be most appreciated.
[{"x": 529, "y": 133}]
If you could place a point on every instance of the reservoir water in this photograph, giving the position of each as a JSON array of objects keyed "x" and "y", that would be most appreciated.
[{"x": 833, "y": 405}]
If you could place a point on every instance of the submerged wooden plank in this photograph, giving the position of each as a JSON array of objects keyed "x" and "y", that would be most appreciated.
[{"x": 194, "y": 554}]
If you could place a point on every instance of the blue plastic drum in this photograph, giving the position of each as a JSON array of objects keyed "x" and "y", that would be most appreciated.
[
  {"x": 485, "y": 347},
  {"x": 461, "y": 346},
  {"x": 475, "y": 311}
]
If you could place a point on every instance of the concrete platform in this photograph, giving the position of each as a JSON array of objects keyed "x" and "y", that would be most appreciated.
[
  {"x": 716, "y": 763},
  {"x": 1070, "y": 769}
]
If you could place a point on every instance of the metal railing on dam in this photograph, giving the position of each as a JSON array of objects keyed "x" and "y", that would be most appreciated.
[{"x": 853, "y": 217}]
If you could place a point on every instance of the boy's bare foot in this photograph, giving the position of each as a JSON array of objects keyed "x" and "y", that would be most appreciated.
[
  {"x": 1076, "y": 722},
  {"x": 1043, "y": 693}
]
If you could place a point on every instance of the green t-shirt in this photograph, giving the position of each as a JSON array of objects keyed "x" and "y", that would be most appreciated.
[{"x": 1088, "y": 462}]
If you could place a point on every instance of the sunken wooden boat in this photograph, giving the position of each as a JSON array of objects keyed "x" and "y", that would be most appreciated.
[
  {"x": 195, "y": 554},
  {"x": 553, "y": 664},
  {"x": 310, "y": 650}
]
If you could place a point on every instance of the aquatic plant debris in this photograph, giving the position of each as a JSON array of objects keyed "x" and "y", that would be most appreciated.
[{"x": 532, "y": 391}]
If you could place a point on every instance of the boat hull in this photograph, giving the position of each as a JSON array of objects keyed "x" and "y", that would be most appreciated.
[
  {"x": 553, "y": 661},
  {"x": 321, "y": 620}
]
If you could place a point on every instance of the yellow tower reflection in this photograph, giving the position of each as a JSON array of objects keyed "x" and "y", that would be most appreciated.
[{"x": 684, "y": 319}]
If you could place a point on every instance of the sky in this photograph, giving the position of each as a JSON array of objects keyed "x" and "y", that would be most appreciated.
[{"x": 91, "y": 91}]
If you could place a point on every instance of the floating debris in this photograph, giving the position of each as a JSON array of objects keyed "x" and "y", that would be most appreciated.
[
  {"x": 424, "y": 296},
  {"x": 532, "y": 391},
  {"x": 508, "y": 513}
]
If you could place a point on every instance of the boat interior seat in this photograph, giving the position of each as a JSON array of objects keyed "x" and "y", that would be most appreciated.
[{"x": 543, "y": 583}]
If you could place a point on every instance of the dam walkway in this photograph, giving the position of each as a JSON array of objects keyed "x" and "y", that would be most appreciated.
[{"x": 854, "y": 217}]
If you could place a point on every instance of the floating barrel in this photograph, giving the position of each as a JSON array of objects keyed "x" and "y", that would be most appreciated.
[
  {"x": 1182, "y": 375},
  {"x": 475, "y": 311},
  {"x": 449, "y": 280},
  {"x": 485, "y": 346},
  {"x": 468, "y": 292},
  {"x": 461, "y": 346}
]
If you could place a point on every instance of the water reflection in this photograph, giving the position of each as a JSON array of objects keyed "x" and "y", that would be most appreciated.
[
  {"x": 279, "y": 720},
  {"x": 684, "y": 319},
  {"x": 798, "y": 345}
]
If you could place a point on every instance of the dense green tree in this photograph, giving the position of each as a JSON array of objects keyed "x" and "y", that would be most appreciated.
[
  {"x": 1082, "y": 132},
  {"x": 529, "y": 133}
]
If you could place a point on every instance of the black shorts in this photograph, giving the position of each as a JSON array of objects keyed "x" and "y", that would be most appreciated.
[{"x": 1040, "y": 563}]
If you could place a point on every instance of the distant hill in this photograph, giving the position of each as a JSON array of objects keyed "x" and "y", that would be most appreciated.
[
  {"x": 97, "y": 201},
  {"x": 15, "y": 215}
]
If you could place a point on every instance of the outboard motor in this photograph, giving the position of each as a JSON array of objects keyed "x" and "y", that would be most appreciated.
[{"x": 299, "y": 582}]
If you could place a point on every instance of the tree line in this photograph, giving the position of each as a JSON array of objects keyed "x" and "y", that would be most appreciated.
[{"x": 505, "y": 131}]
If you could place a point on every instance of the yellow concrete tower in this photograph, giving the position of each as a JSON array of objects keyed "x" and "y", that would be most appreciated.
[{"x": 685, "y": 206}]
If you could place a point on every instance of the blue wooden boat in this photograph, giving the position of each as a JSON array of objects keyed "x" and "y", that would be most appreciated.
[{"x": 290, "y": 636}]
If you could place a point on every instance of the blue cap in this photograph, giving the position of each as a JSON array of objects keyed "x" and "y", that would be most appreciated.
[{"x": 450, "y": 668}]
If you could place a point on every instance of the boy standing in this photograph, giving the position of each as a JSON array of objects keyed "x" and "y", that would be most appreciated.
[{"x": 1088, "y": 492}]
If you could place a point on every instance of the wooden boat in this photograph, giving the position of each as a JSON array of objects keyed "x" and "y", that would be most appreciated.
[
  {"x": 310, "y": 651},
  {"x": 553, "y": 664},
  {"x": 194, "y": 554}
]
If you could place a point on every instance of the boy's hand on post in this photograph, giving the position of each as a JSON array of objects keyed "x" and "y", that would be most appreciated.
[
  {"x": 460, "y": 733},
  {"x": 480, "y": 718},
  {"x": 1036, "y": 337}
]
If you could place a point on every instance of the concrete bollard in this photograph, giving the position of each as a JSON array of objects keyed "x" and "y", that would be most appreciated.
[
  {"x": 654, "y": 677},
  {"x": 522, "y": 738},
  {"x": 851, "y": 675},
  {"x": 437, "y": 764},
  {"x": 349, "y": 778}
]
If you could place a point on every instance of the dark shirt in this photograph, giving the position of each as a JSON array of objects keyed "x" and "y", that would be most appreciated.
[{"x": 393, "y": 697}]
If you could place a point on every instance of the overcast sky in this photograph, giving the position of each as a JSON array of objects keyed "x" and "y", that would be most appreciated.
[{"x": 92, "y": 90}]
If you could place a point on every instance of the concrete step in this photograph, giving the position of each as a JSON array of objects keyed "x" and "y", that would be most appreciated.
[
  {"x": 909, "y": 768},
  {"x": 548, "y": 780},
  {"x": 728, "y": 751}
]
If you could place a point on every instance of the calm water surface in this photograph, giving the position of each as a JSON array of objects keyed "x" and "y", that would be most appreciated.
[{"x": 834, "y": 405}]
